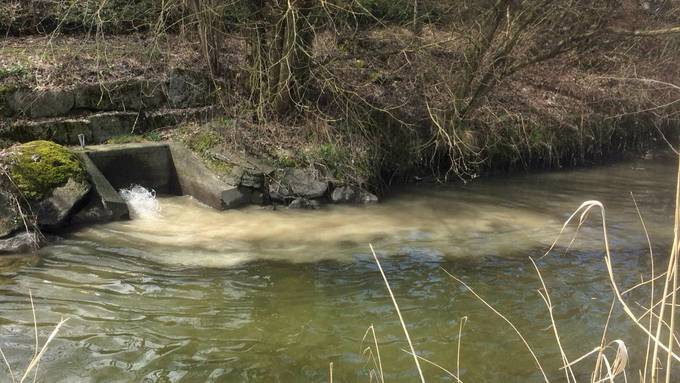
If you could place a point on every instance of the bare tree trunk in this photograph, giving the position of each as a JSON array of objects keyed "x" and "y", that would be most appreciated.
[
  {"x": 209, "y": 32},
  {"x": 280, "y": 49}
]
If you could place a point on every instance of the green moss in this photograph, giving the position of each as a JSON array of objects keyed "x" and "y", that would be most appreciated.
[
  {"x": 203, "y": 141},
  {"x": 153, "y": 136},
  {"x": 17, "y": 70},
  {"x": 286, "y": 161},
  {"x": 330, "y": 156},
  {"x": 37, "y": 167},
  {"x": 219, "y": 167}
]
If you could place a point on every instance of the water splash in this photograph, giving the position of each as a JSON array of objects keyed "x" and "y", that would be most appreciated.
[{"x": 141, "y": 201}]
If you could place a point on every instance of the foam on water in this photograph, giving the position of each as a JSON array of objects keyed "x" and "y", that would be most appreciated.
[
  {"x": 489, "y": 217},
  {"x": 141, "y": 201}
]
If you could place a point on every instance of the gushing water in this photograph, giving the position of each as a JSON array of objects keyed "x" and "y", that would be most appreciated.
[{"x": 141, "y": 201}]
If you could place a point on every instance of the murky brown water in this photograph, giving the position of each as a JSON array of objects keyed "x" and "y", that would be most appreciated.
[{"x": 275, "y": 296}]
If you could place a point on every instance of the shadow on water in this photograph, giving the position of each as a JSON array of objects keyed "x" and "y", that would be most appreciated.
[{"x": 196, "y": 295}]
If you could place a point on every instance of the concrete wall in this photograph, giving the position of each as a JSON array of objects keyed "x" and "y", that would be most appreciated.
[
  {"x": 169, "y": 169},
  {"x": 148, "y": 165}
]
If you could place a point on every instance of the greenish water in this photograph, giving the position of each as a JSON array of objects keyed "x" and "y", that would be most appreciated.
[{"x": 275, "y": 296}]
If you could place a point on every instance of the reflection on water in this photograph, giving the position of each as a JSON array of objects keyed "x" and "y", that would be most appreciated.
[{"x": 196, "y": 295}]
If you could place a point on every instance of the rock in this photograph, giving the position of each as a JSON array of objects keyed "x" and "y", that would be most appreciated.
[
  {"x": 7, "y": 90},
  {"x": 10, "y": 217},
  {"x": 94, "y": 212},
  {"x": 235, "y": 197},
  {"x": 92, "y": 97},
  {"x": 42, "y": 104},
  {"x": 110, "y": 124},
  {"x": 21, "y": 243},
  {"x": 38, "y": 167},
  {"x": 243, "y": 163},
  {"x": 188, "y": 89},
  {"x": 259, "y": 198},
  {"x": 53, "y": 211},
  {"x": 64, "y": 131},
  {"x": 252, "y": 180},
  {"x": 50, "y": 179},
  {"x": 351, "y": 194},
  {"x": 120, "y": 95},
  {"x": 164, "y": 118},
  {"x": 290, "y": 183},
  {"x": 304, "y": 203}
]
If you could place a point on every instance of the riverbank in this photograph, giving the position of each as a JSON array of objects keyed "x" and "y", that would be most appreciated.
[
  {"x": 372, "y": 107},
  {"x": 147, "y": 87}
]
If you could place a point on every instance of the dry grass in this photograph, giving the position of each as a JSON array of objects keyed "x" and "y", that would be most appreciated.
[{"x": 61, "y": 61}]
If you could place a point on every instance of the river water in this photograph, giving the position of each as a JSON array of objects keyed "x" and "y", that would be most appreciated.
[{"x": 195, "y": 295}]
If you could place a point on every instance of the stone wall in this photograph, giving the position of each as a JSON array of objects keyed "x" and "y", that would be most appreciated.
[{"x": 102, "y": 111}]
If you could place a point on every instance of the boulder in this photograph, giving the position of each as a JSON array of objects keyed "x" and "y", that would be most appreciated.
[
  {"x": 91, "y": 215},
  {"x": 53, "y": 211},
  {"x": 20, "y": 243},
  {"x": 252, "y": 180},
  {"x": 235, "y": 197},
  {"x": 163, "y": 118},
  {"x": 351, "y": 194},
  {"x": 38, "y": 167},
  {"x": 49, "y": 179},
  {"x": 10, "y": 217},
  {"x": 291, "y": 183},
  {"x": 304, "y": 203}
]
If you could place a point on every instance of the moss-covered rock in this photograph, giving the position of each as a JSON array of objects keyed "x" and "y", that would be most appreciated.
[{"x": 38, "y": 167}]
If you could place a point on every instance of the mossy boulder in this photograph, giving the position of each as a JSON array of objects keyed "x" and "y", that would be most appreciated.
[{"x": 39, "y": 167}]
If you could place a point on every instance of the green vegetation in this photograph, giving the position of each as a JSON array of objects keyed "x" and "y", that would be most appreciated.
[
  {"x": 203, "y": 141},
  {"x": 37, "y": 167},
  {"x": 16, "y": 70},
  {"x": 125, "y": 139},
  {"x": 130, "y": 138}
]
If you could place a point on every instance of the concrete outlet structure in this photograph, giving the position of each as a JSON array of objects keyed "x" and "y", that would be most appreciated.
[{"x": 168, "y": 168}]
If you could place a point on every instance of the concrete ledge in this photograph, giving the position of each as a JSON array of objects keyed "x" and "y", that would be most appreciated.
[
  {"x": 110, "y": 198},
  {"x": 168, "y": 168},
  {"x": 195, "y": 179}
]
